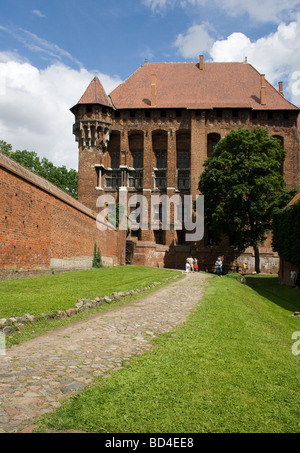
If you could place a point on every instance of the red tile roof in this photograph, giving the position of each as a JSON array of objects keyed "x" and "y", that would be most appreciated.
[
  {"x": 185, "y": 85},
  {"x": 95, "y": 94}
]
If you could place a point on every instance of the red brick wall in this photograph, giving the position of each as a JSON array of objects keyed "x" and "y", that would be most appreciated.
[
  {"x": 42, "y": 227},
  {"x": 190, "y": 130}
]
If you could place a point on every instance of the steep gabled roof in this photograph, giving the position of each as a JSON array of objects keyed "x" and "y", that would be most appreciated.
[
  {"x": 95, "y": 94},
  {"x": 185, "y": 85}
]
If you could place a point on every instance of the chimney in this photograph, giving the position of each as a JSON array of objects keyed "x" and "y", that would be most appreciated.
[
  {"x": 262, "y": 90},
  {"x": 280, "y": 88},
  {"x": 201, "y": 62},
  {"x": 153, "y": 89}
]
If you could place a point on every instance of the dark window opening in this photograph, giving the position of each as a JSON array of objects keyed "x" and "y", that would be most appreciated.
[
  {"x": 161, "y": 159},
  {"x": 212, "y": 140},
  {"x": 159, "y": 236},
  {"x": 115, "y": 160}
]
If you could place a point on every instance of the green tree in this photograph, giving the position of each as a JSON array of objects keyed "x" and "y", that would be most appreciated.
[
  {"x": 63, "y": 178},
  {"x": 286, "y": 237},
  {"x": 243, "y": 188},
  {"x": 97, "y": 259}
]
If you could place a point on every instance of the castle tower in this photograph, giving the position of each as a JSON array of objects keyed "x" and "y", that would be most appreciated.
[{"x": 93, "y": 122}]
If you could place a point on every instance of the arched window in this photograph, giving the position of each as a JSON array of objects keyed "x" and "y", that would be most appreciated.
[
  {"x": 136, "y": 147},
  {"x": 113, "y": 176},
  {"x": 160, "y": 145},
  {"x": 183, "y": 148},
  {"x": 114, "y": 146}
]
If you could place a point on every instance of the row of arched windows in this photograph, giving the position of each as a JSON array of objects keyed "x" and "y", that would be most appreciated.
[{"x": 159, "y": 155}]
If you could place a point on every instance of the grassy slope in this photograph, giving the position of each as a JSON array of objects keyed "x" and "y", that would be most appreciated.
[
  {"x": 60, "y": 291},
  {"x": 230, "y": 368}
]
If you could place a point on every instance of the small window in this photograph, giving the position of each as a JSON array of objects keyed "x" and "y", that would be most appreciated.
[
  {"x": 132, "y": 113},
  {"x": 147, "y": 113},
  {"x": 178, "y": 113},
  {"x": 89, "y": 109},
  {"x": 235, "y": 113}
]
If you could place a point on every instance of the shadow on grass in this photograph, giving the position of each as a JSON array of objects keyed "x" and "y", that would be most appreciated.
[{"x": 268, "y": 287}]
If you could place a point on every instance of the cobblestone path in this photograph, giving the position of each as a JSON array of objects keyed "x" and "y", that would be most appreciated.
[{"x": 37, "y": 374}]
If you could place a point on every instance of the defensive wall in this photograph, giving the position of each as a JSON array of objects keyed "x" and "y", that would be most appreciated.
[{"x": 43, "y": 228}]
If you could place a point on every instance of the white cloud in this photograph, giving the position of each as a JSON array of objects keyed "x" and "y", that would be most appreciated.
[
  {"x": 196, "y": 40},
  {"x": 34, "y": 107},
  {"x": 276, "y": 55},
  {"x": 263, "y": 11},
  {"x": 48, "y": 51},
  {"x": 259, "y": 10},
  {"x": 159, "y": 5},
  {"x": 38, "y": 13}
]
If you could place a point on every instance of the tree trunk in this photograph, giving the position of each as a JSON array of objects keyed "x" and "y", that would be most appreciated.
[{"x": 257, "y": 259}]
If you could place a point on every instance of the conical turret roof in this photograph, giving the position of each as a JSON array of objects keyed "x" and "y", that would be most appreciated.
[{"x": 95, "y": 94}]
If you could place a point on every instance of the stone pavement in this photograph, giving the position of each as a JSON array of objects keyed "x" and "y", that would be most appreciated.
[{"x": 35, "y": 376}]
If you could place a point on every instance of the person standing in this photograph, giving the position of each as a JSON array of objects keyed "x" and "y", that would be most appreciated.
[
  {"x": 195, "y": 265},
  {"x": 219, "y": 265},
  {"x": 190, "y": 260}
]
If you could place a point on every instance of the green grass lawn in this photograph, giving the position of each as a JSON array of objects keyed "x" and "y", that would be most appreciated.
[
  {"x": 50, "y": 293},
  {"x": 61, "y": 291},
  {"x": 229, "y": 368}
]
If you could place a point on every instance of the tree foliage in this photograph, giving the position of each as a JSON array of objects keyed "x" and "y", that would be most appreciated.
[
  {"x": 286, "y": 237},
  {"x": 63, "y": 178},
  {"x": 243, "y": 188},
  {"x": 97, "y": 259}
]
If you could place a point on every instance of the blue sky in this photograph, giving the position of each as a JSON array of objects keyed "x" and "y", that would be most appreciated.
[{"x": 50, "y": 51}]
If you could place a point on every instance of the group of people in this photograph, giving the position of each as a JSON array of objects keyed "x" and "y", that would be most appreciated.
[{"x": 191, "y": 265}]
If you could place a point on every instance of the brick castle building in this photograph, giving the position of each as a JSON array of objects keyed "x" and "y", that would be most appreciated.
[{"x": 152, "y": 134}]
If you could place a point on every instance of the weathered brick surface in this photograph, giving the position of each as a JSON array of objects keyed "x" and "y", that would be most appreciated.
[{"x": 39, "y": 223}]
